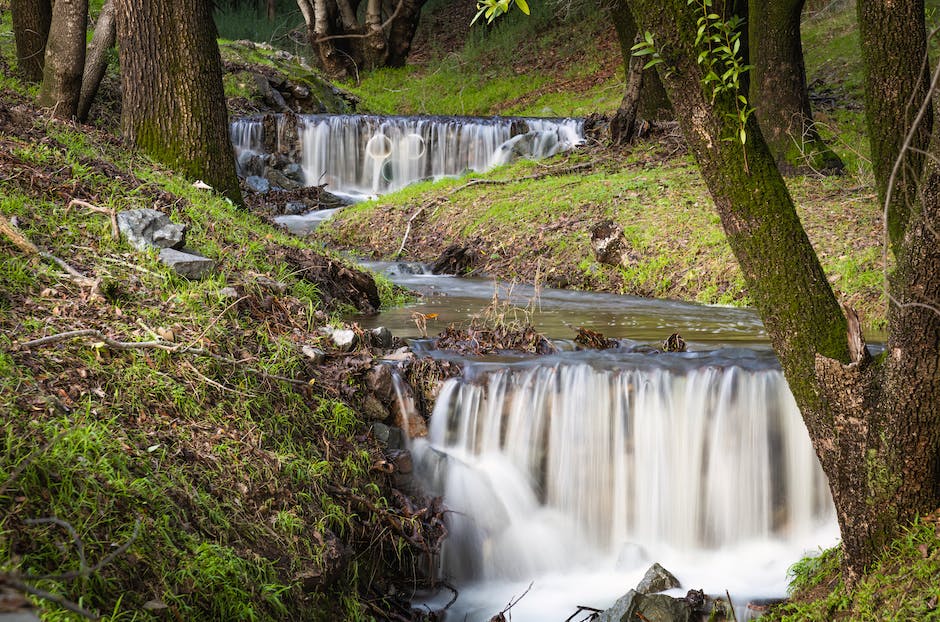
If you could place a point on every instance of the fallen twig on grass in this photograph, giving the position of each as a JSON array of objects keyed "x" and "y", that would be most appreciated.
[
  {"x": 115, "y": 231},
  {"x": 156, "y": 344}
]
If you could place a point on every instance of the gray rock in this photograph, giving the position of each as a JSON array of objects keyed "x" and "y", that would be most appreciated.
[
  {"x": 344, "y": 339},
  {"x": 316, "y": 355},
  {"x": 400, "y": 355},
  {"x": 382, "y": 337},
  {"x": 228, "y": 292},
  {"x": 373, "y": 409},
  {"x": 634, "y": 606},
  {"x": 295, "y": 172},
  {"x": 249, "y": 164},
  {"x": 294, "y": 208},
  {"x": 280, "y": 180},
  {"x": 148, "y": 228},
  {"x": 391, "y": 437},
  {"x": 257, "y": 184},
  {"x": 186, "y": 264},
  {"x": 379, "y": 382},
  {"x": 657, "y": 579}
]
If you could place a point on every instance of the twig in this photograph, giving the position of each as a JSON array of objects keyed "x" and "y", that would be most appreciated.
[
  {"x": 502, "y": 614},
  {"x": 155, "y": 345},
  {"x": 115, "y": 232},
  {"x": 594, "y": 611},
  {"x": 734, "y": 616},
  {"x": 44, "y": 595},
  {"x": 76, "y": 541},
  {"x": 16, "y": 237}
]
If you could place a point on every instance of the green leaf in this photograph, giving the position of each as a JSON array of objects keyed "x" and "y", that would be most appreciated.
[
  {"x": 523, "y": 6},
  {"x": 743, "y": 136},
  {"x": 652, "y": 63},
  {"x": 648, "y": 36}
]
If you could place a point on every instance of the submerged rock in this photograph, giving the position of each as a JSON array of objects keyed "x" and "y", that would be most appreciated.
[{"x": 657, "y": 579}]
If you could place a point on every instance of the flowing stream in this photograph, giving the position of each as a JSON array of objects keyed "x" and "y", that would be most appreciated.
[{"x": 574, "y": 472}]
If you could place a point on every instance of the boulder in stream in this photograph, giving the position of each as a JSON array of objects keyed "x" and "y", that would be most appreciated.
[
  {"x": 636, "y": 607},
  {"x": 657, "y": 579}
]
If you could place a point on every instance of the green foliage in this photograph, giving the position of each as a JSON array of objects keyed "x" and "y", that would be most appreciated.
[
  {"x": 491, "y": 9},
  {"x": 719, "y": 41}
]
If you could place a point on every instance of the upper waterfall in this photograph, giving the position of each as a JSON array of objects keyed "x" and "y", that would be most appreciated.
[{"x": 361, "y": 156}]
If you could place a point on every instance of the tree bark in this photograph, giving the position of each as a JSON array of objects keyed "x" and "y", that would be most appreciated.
[
  {"x": 896, "y": 83},
  {"x": 65, "y": 58},
  {"x": 652, "y": 103},
  {"x": 96, "y": 58},
  {"x": 31, "y": 21},
  {"x": 778, "y": 89},
  {"x": 173, "y": 103}
]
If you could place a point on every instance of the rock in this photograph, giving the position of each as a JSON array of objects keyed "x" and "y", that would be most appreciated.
[
  {"x": 257, "y": 184},
  {"x": 186, "y": 264},
  {"x": 381, "y": 337},
  {"x": 295, "y": 208},
  {"x": 391, "y": 437},
  {"x": 455, "y": 259},
  {"x": 409, "y": 267},
  {"x": 280, "y": 180},
  {"x": 148, "y": 228},
  {"x": 316, "y": 355},
  {"x": 266, "y": 283},
  {"x": 300, "y": 92},
  {"x": 634, "y": 606},
  {"x": 295, "y": 172},
  {"x": 271, "y": 97},
  {"x": 344, "y": 339},
  {"x": 609, "y": 244},
  {"x": 373, "y": 409},
  {"x": 379, "y": 382},
  {"x": 228, "y": 292},
  {"x": 657, "y": 579},
  {"x": 401, "y": 355}
]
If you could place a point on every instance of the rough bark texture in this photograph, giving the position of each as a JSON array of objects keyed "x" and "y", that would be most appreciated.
[
  {"x": 896, "y": 83},
  {"x": 173, "y": 102},
  {"x": 96, "y": 58},
  {"x": 343, "y": 46},
  {"x": 650, "y": 100},
  {"x": 778, "y": 89},
  {"x": 65, "y": 58},
  {"x": 875, "y": 426},
  {"x": 31, "y": 21}
]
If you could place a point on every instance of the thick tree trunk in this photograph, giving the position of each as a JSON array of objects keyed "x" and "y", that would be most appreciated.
[
  {"x": 651, "y": 104},
  {"x": 65, "y": 58},
  {"x": 896, "y": 85},
  {"x": 173, "y": 102},
  {"x": 31, "y": 21},
  {"x": 875, "y": 426},
  {"x": 407, "y": 14},
  {"x": 778, "y": 89},
  {"x": 96, "y": 58}
]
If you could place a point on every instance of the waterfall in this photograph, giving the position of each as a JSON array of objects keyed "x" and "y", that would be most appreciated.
[
  {"x": 359, "y": 156},
  {"x": 549, "y": 466}
]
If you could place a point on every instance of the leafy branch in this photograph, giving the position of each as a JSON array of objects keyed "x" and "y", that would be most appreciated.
[{"x": 491, "y": 9}]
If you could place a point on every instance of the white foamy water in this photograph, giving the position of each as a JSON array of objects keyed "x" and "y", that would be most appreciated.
[{"x": 576, "y": 478}]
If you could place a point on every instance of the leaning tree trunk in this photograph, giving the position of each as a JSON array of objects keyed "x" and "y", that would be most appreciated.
[
  {"x": 171, "y": 83},
  {"x": 406, "y": 15},
  {"x": 96, "y": 58},
  {"x": 644, "y": 95},
  {"x": 778, "y": 89},
  {"x": 875, "y": 425},
  {"x": 65, "y": 58},
  {"x": 31, "y": 21}
]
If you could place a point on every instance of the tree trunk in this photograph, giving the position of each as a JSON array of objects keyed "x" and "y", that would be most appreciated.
[
  {"x": 173, "y": 103},
  {"x": 778, "y": 89},
  {"x": 65, "y": 58},
  {"x": 31, "y": 21},
  {"x": 652, "y": 103},
  {"x": 875, "y": 425},
  {"x": 896, "y": 84},
  {"x": 407, "y": 14},
  {"x": 96, "y": 58}
]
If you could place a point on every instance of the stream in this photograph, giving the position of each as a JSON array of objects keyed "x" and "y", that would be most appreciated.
[
  {"x": 574, "y": 472},
  {"x": 568, "y": 475}
]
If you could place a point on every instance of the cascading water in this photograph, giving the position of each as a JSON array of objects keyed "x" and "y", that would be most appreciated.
[
  {"x": 359, "y": 156},
  {"x": 605, "y": 466}
]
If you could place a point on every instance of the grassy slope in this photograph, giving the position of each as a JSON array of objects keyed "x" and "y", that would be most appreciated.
[
  {"x": 230, "y": 475},
  {"x": 652, "y": 190}
]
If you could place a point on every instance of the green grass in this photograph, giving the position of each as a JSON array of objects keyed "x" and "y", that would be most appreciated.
[{"x": 902, "y": 585}]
